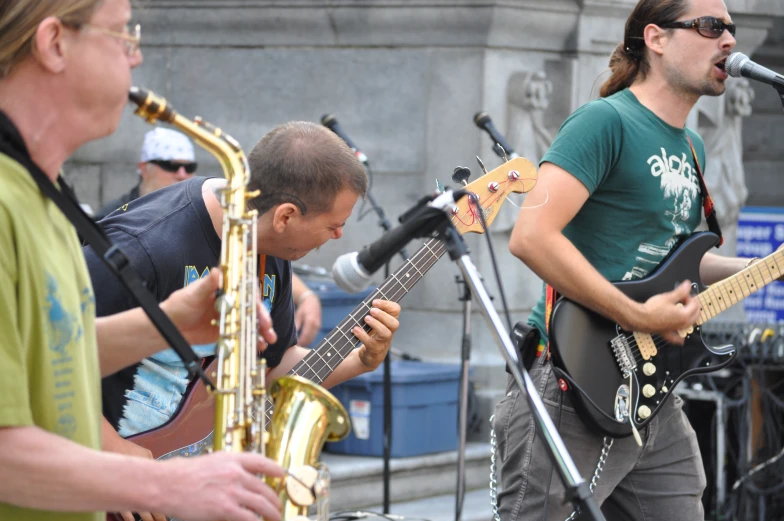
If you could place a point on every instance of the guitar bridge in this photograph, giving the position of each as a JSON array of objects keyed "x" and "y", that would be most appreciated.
[{"x": 623, "y": 355}]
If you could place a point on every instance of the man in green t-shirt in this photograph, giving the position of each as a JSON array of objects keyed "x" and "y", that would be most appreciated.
[
  {"x": 64, "y": 80},
  {"x": 623, "y": 190}
]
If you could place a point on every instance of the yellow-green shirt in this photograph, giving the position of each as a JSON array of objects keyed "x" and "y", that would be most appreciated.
[{"x": 49, "y": 374}]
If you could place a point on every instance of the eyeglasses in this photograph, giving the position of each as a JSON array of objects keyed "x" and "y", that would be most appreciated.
[
  {"x": 131, "y": 40},
  {"x": 707, "y": 26},
  {"x": 173, "y": 166}
]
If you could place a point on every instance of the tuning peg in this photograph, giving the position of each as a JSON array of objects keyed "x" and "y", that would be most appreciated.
[
  {"x": 461, "y": 175},
  {"x": 498, "y": 149},
  {"x": 481, "y": 164}
]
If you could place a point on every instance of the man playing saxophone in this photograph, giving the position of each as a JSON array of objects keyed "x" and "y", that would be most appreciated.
[
  {"x": 309, "y": 182},
  {"x": 64, "y": 78}
]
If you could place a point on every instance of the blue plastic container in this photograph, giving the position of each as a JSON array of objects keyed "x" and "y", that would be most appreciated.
[
  {"x": 336, "y": 304},
  {"x": 424, "y": 410}
]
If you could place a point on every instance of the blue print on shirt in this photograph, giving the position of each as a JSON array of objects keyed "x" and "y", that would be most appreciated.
[{"x": 64, "y": 328}]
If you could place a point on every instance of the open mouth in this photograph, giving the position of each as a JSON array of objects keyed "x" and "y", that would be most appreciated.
[{"x": 721, "y": 65}]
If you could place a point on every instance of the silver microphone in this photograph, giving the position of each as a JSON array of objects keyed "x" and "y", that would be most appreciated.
[
  {"x": 738, "y": 64},
  {"x": 349, "y": 274}
]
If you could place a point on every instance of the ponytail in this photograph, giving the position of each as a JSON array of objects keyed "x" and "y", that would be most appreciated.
[{"x": 625, "y": 67}]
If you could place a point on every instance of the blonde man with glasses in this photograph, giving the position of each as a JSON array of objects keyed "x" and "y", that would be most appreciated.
[{"x": 65, "y": 71}]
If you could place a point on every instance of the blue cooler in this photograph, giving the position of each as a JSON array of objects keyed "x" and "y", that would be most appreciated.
[
  {"x": 336, "y": 304},
  {"x": 424, "y": 410}
]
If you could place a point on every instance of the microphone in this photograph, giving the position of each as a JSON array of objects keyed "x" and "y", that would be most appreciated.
[
  {"x": 352, "y": 271},
  {"x": 484, "y": 122},
  {"x": 329, "y": 121},
  {"x": 738, "y": 64}
]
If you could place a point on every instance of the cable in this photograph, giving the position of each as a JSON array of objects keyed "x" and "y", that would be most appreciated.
[
  {"x": 574, "y": 384},
  {"x": 552, "y": 463},
  {"x": 494, "y": 263}
]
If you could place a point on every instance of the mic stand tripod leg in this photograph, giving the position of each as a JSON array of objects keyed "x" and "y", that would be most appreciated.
[
  {"x": 462, "y": 412},
  {"x": 577, "y": 490}
]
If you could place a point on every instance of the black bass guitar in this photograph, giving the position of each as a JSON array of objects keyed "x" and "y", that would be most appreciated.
[{"x": 619, "y": 377}]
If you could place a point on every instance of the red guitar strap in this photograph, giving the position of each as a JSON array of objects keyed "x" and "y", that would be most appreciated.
[
  {"x": 707, "y": 201},
  {"x": 549, "y": 301}
]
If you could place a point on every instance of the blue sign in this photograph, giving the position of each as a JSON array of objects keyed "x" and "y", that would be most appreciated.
[{"x": 760, "y": 233}]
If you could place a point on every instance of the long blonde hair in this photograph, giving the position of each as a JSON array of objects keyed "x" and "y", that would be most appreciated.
[{"x": 19, "y": 20}]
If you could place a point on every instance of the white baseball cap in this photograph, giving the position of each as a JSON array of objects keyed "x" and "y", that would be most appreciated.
[{"x": 166, "y": 144}]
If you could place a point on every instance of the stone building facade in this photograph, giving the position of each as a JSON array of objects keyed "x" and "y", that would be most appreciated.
[{"x": 404, "y": 78}]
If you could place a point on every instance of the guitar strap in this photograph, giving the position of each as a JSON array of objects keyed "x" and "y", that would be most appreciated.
[
  {"x": 551, "y": 296},
  {"x": 12, "y": 145},
  {"x": 707, "y": 200}
]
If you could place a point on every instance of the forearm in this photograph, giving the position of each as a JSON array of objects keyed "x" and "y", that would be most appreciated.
[
  {"x": 298, "y": 287},
  {"x": 124, "y": 339},
  {"x": 570, "y": 273},
  {"x": 714, "y": 268},
  {"x": 346, "y": 370},
  {"x": 44, "y": 471}
]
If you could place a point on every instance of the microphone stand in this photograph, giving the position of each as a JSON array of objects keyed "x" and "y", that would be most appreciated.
[
  {"x": 462, "y": 412},
  {"x": 387, "y": 381},
  {"x": 780, "y": 90},
  {"x": 577, "y": 490}
]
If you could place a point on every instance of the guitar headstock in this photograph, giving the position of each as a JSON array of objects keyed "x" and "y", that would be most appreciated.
[{"x": 516, "y": 176}]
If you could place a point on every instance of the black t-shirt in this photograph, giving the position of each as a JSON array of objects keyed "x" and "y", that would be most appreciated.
[
  {"x": 170, "y": 240},
  {"x": 115, "y": 204}
]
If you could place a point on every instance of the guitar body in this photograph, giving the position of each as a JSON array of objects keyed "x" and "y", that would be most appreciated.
[
  {"x": 189, "y": 431},
  {"x": 582, "y": 346}
]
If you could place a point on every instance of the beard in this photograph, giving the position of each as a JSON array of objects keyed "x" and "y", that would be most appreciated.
[{"x": 706, "y": 86}]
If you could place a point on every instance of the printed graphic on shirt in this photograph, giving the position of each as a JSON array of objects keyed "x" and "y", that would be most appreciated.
[
  {"x": 192, "y": 275},
  {"x": 680, "y": 190},
  {"x": 65, "y": 329}
]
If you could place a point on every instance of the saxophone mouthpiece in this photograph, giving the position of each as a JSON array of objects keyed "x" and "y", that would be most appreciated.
[{"x": 138, "y": 95}]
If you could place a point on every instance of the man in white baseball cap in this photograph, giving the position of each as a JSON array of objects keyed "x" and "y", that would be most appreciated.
[{"x": 166, "y": 158}]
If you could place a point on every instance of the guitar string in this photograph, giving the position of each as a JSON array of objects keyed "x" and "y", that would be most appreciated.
[{"x": 396, "y": 291}]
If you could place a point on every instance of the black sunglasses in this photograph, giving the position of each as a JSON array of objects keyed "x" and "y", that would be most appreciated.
[
  {"x": 707, "y": 26},
  {"x": 174, "y": 166}
]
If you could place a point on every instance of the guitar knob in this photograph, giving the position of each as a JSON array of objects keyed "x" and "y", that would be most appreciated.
[
  {"x": 648, "y": 390},
  {"x": 648, "y": 369},
  {"x": 644, "y": 411}
]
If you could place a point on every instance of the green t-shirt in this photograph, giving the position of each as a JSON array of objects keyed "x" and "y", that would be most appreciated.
[
  {"x": 49, "y": 374},
  {"x": 644, "y": 190}
]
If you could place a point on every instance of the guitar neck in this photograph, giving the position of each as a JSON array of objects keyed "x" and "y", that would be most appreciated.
[
  {"x": 730, "y": 291},
  {"x": 322, "y": 360}
]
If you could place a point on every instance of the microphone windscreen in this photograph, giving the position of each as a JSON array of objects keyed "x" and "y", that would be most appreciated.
[
  {"x": 348, "y": 274},
  {"x": 734, "y": 64},
  {"x": 481, "y": 119}
]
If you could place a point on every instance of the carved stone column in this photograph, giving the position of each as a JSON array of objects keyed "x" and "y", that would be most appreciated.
[{"x": 724, "y": 172}]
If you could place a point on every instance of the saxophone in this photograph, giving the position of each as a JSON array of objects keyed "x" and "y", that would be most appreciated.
[{"x": 304, "y": 415}]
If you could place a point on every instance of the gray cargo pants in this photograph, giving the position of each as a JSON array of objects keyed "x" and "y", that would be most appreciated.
[{"x": 662, "y": 480}]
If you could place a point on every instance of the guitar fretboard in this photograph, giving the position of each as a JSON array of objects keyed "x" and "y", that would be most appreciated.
[
  {"x": 730, "y": 291},
  {"x": 320, "y": 362}
]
